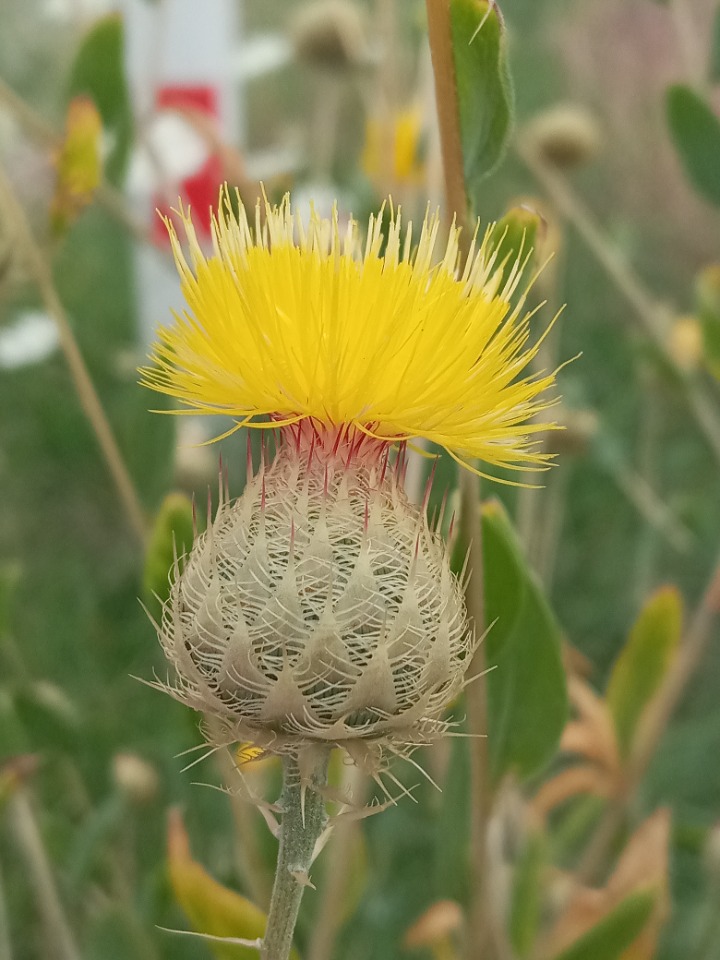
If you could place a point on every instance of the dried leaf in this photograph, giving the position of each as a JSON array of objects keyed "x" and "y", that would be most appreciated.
[
  {"x": 213, "y": 909},
  {"x": 642, "y": 869},
  {"x": 573, "y": 782}
]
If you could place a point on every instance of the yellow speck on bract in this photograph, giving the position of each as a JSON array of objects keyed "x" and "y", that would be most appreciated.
[{"x": 305, "y": 320}]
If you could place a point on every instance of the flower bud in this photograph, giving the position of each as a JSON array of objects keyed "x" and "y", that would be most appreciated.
[
  {"x": 566, "y": 135},
  {"x": 135, "y": 777},
  {"x": 319, "y": 606},
  {"x": 329, "y": 35},
  {"x": 685, "y": 343}
]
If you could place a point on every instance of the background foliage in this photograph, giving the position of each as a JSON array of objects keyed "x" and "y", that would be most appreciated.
[{"x": 631, "y": 508}]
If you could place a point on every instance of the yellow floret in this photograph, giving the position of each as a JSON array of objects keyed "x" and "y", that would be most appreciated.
[{"x": 300, "y": 321}]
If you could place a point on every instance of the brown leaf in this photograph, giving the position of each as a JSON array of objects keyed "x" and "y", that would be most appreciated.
[
  {"x": 643, "y": 865},
  {"x": 576, "y": 780}
]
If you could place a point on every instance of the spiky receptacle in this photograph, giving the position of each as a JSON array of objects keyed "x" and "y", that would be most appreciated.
[{"x": 319, "y": 607}]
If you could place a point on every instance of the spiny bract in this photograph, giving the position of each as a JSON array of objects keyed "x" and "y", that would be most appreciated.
[{"x": 319, "y": 607}]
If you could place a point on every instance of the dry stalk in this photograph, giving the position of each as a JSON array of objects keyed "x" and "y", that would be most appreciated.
[
  {"x": 479, "y": 936},
  {"x": 653, "y": 317},
  {"x": 82, "y": 381}
]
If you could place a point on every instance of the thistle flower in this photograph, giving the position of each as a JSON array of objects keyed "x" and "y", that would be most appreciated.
[{"x": 319, "y": 607}]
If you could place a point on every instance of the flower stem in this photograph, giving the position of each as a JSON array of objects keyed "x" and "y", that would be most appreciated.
[{"x": 303, "y": 822}]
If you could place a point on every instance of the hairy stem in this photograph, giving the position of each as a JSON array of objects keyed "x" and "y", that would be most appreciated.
[
  {"x": 303, "y": 821},
  {"x": 84, "y": 387}
]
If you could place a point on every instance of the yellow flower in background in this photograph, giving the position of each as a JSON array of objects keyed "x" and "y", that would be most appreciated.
[
  {"x": 408, "y": 159},
  {"x": 307, "y": 323}
]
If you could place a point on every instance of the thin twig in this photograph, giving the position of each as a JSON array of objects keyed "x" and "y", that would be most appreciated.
[
  {"x": 82, "y": 381},
  {"x": 32, "y": 849},
  {"x": 692, "y": 50},
  {"x": 5, "y": 944},
  {"x": 652, "y": 316}
]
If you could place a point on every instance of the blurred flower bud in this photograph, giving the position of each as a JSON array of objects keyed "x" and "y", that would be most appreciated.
[
  {"x": 685, "y": 343},
  {"x": 580, "y": 429},
  {"x": 135, "y": 778},
  {"x": 567, "y": 135},
  {"x": 172, "y": 536},
  {"x": 329, "y": 35}
]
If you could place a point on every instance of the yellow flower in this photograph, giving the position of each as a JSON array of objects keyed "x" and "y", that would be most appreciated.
[
  {"x": 408, "y": 162},
  {"x": 303, "y": 322}
]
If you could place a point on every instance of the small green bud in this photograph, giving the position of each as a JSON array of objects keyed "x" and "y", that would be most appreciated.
[
  {"x": 172, "y": 536},
  {"x": 566, "y": 136}
]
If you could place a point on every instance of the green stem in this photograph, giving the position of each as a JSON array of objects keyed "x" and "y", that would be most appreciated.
[{"x": 303, "y": 821}]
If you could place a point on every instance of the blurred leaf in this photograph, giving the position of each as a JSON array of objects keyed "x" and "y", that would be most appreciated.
[
  {"x": 452, "y": 858},
  {"x": 79, "y": 167},
  {"x": 98, "y": 72},
  {"x": 513, "y": 238},
  {"x": 615, "y": 933},
  {"x": 707, "y": 295},
  {"x": 115, "y": 933},
  {"x": 51, "y": 719},
  {"x": 695, "y": 131},
  {"x": 484, "y": 87},
  {"x": 211, "y": 908},
  {"x": 9, "y": 577},
  {"x": 527, "y": 895},
  {"x": 714, "y": 65},
  {"x": 172, "y": 536},
  {"x": 644, "y": 661},
  {"x": 13, "y": 736},
  {"x": 527, "y": 697},
  {"x": 93, "y": 840}
]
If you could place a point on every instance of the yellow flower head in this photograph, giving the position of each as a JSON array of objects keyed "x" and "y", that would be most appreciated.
[{"x": 299, "y": 322}]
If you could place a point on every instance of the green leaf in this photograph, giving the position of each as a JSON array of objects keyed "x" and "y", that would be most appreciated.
[
  {"x": 99, "y": 73},
  {"x": 695, "y": 131},
  {"x": 707, "y": 287},
  {"x": 714, "y": 65},
  {"x": 608, "y": 939},
  {"x": 9, "y": 578},
  {"x": 484, "y": 87},
  {"x": 527, "y": 895},
  {"x": 172, "y": 535},
  {"x": 527, "y": 697},
  {"x": 644, "y": 661}
]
